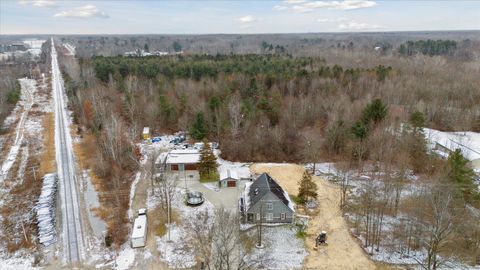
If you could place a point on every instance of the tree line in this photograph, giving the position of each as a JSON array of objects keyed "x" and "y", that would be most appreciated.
[
  {"x": 267, "y": 107},
  {"x": 428, "y": 47}
]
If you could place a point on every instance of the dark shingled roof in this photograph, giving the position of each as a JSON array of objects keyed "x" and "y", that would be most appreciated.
[{"x": 262, "y": 185}]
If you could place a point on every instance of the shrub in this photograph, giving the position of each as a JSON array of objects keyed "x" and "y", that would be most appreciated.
[{"x": 13, "y": 96}]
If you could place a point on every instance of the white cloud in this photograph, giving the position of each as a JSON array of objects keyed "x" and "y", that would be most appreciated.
[
  {"x": 279, "y": 7},
  {"x": 309, "y": 6},
  {"x": 358, "y": 26},
  {"x": 327, "y": 20},
  {"x": 247, "y": 19},
  {"x": 302, "y": 9},
  {"x": 38, "y": 3},
  {"x": 87, "y": 11},
  {"x": 294, "y": 1},
  {"x": 353, "y": 4}
]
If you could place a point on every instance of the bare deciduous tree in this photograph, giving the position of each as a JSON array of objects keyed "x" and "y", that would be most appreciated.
[{"x": 437, "y": 225}]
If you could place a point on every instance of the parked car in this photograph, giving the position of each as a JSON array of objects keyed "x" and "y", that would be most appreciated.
[{"x": 175, "y": 140}]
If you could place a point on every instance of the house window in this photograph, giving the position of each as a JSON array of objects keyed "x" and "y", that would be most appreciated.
[
  {"x": 250, "y": 217},
  {"x": 258, "y": 216},
  {"x": 269, "y": 206},
  {"x": 282, "y": 216},
  {"x": 269, "y": 216}
]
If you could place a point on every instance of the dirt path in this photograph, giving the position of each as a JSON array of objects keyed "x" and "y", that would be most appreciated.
[{"x": 342, "y": 252}]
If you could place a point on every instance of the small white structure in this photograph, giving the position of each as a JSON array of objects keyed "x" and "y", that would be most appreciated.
[
  {"x": 445, "y": 142},
  {"x": 139, "y": 232},
  {"x": 228, "y": 178},
  {"x": 146, "y": 133}
]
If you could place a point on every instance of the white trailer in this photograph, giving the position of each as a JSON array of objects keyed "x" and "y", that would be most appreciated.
[{"x": 139, "y": 232}]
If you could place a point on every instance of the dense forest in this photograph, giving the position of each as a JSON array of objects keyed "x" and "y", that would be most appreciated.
[{"x": 430, "y": 47}]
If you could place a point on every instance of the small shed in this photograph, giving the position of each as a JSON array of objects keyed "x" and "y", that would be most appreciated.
[
  {"x": 146, "y": 133},
  {"x": 228, "y": 178}
]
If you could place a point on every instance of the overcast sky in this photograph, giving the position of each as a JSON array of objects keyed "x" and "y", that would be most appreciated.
[{"x": 241, "y": 16}]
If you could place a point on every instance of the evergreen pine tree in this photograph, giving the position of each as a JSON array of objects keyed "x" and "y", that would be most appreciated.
[
  {"x": 462, "y": 175},
  {"x": 308, "y": 188},
  {"x": 198, "y": 131},
  {"x": 417, "y": 120},
  {"x": 376, "y": 111},
  {"x": 207, "y": 166},
  {"x": 416, "y": 142}
]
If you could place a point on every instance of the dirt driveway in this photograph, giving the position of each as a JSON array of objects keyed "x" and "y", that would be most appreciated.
[{"x": 342, "y": 252}]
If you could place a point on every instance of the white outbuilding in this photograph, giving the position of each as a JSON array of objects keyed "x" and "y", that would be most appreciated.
[
  {"x": 229, "y": 178},
  {"x": 446, "y": 142},
  {"x": 139, "y": 231}
]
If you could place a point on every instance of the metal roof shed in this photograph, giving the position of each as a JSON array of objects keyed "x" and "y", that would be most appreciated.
[{"x": 229, "y": 178}]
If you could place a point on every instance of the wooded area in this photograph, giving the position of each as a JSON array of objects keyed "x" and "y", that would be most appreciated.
[{"x": 360, "y": 107}]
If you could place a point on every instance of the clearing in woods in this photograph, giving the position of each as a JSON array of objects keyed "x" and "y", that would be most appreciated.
[{"x": 342, "y": 252}]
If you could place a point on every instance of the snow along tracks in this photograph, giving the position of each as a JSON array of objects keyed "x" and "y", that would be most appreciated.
[
  {"x": 27, "y": 87},
  {"x": 73, "y": 243}
]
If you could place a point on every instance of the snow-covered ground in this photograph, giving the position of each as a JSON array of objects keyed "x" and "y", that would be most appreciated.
[
  {"x": 35, "y": 46},
  {"x": 242, "y": 169},
  {"x": 283, "y": 249},
  {"x": 389, "y": 251},
  {"x": 177, "y": 253},
  {"x": 27, "y": 125},
  {"x": 45, "y": 209},
  {"x": 28, "y": 90},
  {"x": 18, "y": 261},
  {"x": 70, "y": 48}
]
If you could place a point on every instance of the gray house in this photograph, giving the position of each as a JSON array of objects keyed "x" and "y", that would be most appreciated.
[{"x": 265, "y": 201}]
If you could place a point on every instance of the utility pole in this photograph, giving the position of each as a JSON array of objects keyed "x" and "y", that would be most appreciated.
[
  {"x": 185, "y": 178},
  {"x": 168, "y": 217}
]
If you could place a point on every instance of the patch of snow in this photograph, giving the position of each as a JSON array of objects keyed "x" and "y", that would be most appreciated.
[
  {"x": 289, "y": 254},
  {"x": 176, "y": 253},
  {"x": 246, "y": 197},
  {"x": 291, "y": 205},
  {"x": 45, "y": 209},
  {"x": 211, "y": 186},
  {"x": 132, "y": 193},
  {"x": 70, "y": 48},
  {"x": 17, "y": 262},
  {"x": 125, "y": 259},
  {"x": 28, "y": 88},
  {"x": 35, "y": 46},
  {"x": 242, "y": 169},
  {"x": 274, "y": 164},
  {"x": 325, "y": 168}
]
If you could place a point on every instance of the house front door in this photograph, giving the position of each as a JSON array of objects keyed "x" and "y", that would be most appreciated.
[{"x": 250, "y": 217}]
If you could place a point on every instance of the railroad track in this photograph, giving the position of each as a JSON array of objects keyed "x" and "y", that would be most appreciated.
[{"x": 73, "y": 243}]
